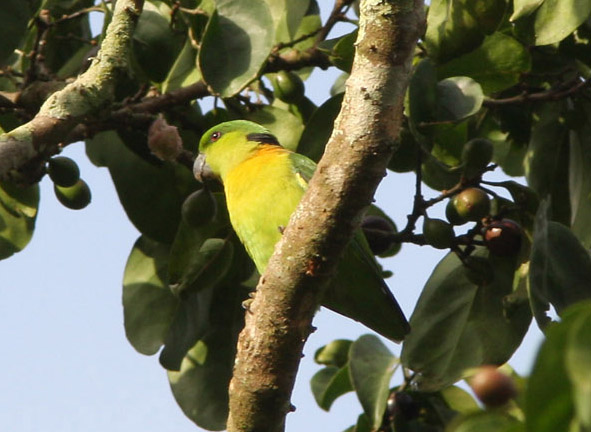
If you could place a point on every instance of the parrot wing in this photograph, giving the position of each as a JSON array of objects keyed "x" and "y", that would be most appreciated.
[{"x": 358, "y": 290}]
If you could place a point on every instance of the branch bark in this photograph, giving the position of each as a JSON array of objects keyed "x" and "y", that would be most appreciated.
[
  {"x": 288, "y": 294},
  {"x": 28, "y": 145}
]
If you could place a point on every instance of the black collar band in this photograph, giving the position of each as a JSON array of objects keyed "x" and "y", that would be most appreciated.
[{"x": 263, "y": 138}]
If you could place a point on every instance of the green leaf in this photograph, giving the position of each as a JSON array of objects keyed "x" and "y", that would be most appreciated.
[
  {"x": 236, "y": 44},
  {"x": 487, "y": 421},
  {"x": 556, "y": 19},
  {"x": 522, "y": 8},
  {"x": 14, "y": 17},
  {"x": 184, "y": 71},
  {"x": 319, "y": 128},
  {"x": 151, "y": 193},
  {"x": 578, "y": 362},
  {"x": 550, "y": 397},
  {"x": 201, "y": 385},
  {"x": 371, "y": 367},
  {"x": 207, "y": 266},
  {"x": 560, "y": 267},
  {"x": 18, "y": 212},
  {"x": 328, "y": 384},
  {"x": 455, "y": 27},
  {"x": 579, "y": 173},
  {"x": 343, "y": 52},
  {"x": 422, "y": 94},
  {"x": 287, "y": 15},
  {"x": 283, "y": 124},
  {"x": 335, "y": 353},
  {"x": 546, "y": 162},
  {"x": 459, "y": 400},
  {"x": 148, "y": 303},
  {"x": 309, "y": 24},
  {"x": 457, "y": 98},
  {"x": 496, "y": 64},
  {"x": 458, "y": 325},
  {"x": 438, "y": 175},
  {"x": 154, "y": 45}
]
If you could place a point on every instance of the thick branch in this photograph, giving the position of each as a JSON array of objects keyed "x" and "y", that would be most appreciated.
[
  {"x": 279, "y": 322},
  {"x": 63, "y": 110}
]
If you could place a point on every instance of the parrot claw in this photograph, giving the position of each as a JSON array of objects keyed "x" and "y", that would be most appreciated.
[
  {"x": 281, "y": 229},
  {"x": 246, "y": 304}
]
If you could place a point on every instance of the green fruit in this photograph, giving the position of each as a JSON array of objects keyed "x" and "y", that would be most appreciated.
[
  {"x": 438, "y": 233},
  {"x": 452, "y": 214},
  {"x": 199, "y": 208},
  {"x": 63, "y": 171},
  {"x": 503, "y": 238},
  {"x": 378, "y": 232},
  {"x": 405, "y": 156},
  {"x": 472, "y": 204},
  {"x": 73, "y": 197},
  {"x": 492, "y": 387},
  {"x": 288, "y": 87},
  {"x": 476, "y": 155}
]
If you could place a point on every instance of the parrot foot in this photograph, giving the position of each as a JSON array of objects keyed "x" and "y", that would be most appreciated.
[{"x": 246, "y": 304}]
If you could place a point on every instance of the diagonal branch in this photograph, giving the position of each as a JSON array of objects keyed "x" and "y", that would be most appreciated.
[
  {"x": 27, "y": 145},
  {"x": 279, "y": 322}
]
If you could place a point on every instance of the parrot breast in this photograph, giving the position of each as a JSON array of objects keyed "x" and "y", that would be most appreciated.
[{"x": 262, "y": 192}]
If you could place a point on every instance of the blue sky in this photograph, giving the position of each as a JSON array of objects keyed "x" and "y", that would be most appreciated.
[{"x": 66, "y": 365}]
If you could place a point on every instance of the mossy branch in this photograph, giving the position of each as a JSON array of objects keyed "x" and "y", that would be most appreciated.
[
  {"x": 23, "y": 149},
  {"x": 288, "y": 294}
]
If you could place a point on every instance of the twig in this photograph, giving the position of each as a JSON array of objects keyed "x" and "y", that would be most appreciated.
[
  {"x": 335, "y": 16},
  {"x": 549, "y": 95}
]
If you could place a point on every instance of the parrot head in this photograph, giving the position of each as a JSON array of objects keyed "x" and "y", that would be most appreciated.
[{"x": 228, "y": 144}]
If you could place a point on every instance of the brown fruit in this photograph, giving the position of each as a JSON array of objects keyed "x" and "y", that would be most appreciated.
[
  {"x": 378, "y": 232},
  {"x": 492, "y": 387},
  {"x": 503, "y": 238}
]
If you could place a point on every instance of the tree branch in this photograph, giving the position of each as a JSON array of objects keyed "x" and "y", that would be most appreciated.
[
  {"x": 22, "y": 150},
  {"x": 288, "y": 294}
]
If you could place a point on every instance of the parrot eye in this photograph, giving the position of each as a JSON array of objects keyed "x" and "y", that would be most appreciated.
[{"x": 215, "y": 136}]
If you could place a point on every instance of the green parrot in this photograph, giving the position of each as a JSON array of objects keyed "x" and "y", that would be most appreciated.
[{"x": 264, "y": 183}]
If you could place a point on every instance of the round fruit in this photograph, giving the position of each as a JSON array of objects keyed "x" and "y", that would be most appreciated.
[
  {"x": 503, "y": 238},
  {"x": 452, "y": 214},
  {"x": 438, "y": 233},
  {"x": 472, "y": 204},
  {"x": 476, "y": 155},
  {"x": 73, "y": 197},
  {"x": 199, "y": 208},
  {"x": 492, "y": 387},
  {"x": 63, "y": 171},
  {"x": 378, "y": 232},
  {"x": 288, "y": 87},
  {"x": 401, "y": 405}
]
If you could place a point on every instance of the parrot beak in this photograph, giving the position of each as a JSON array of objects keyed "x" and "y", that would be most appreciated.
[{"x": 201, "y": 170}]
